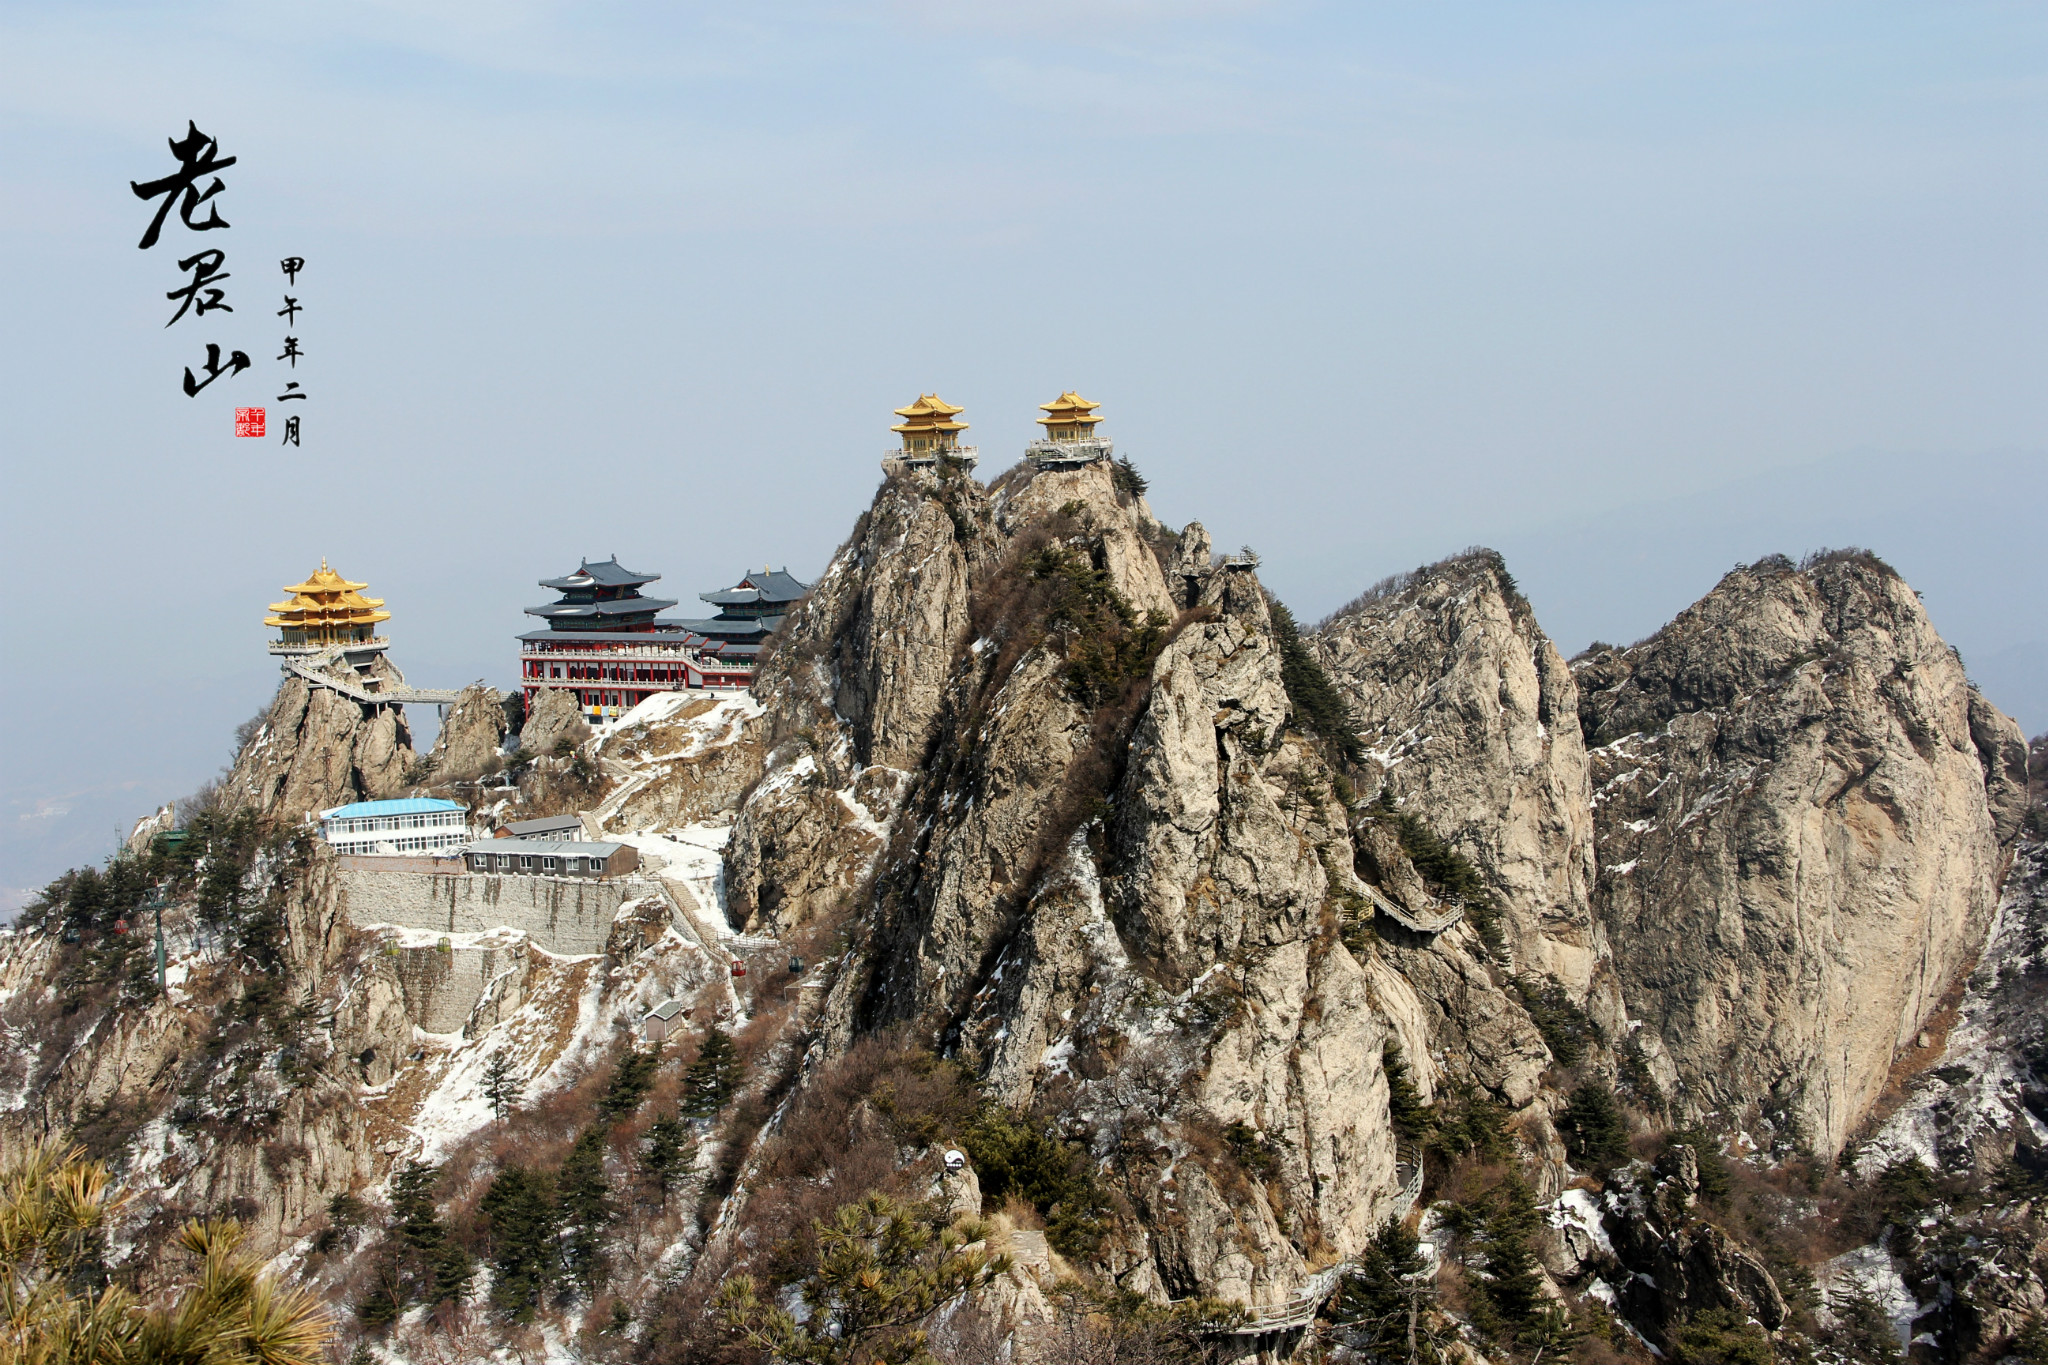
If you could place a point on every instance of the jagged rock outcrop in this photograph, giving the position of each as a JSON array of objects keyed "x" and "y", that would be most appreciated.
[
  {"x": 1024, "y": 782},
  {"x": 688, "y": 757},
  {"x": 1974, "y": 1117},
  {"x": 1120, "y": 897},
  {"x": 160, "y": 821},
  {"x": 1676, "y": 1262},
  {"x": 1799, "y": 799},
  {"x": 1471, "y": 716},
  {"x": 853, "y": 691},
  {"x": 472, "y": 732},
  {"x": 553, "y": 719},
  {"x": 870, "y": 649},
  {"x": 318, "y": 748}
]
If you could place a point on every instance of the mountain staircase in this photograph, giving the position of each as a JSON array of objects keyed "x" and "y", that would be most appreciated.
[{"x": 1434, "y": 921}]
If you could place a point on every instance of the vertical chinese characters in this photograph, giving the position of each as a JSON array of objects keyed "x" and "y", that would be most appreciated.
[
  {"x": 198, "y": 157},
  {"x": 291, "y": 265}
]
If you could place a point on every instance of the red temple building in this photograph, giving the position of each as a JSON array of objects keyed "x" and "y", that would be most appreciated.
[{"x": 611, "y": 647}]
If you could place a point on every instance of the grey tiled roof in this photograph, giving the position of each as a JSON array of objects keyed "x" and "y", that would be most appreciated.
[
  {"x": 735, "y": 628},
  {"x": 609, "y": 574},
  {"x": 618, "y": 606},
  {"x": 768, "y": 585},
  {"x": 528, "y": 829},
  {"x": 553, "y": 848}
]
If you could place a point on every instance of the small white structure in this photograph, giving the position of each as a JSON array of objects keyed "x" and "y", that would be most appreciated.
[
  {"x": 669, "y": 1014},
  {"x": 415, "y": 824}
]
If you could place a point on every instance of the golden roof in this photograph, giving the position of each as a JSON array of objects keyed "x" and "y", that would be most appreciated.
[
  {"x": 326, "y": 600},
  {"x": 1069, "y": 408},
  {"x": 929, "y": 413},
  {"x": 326, "y": 580}
]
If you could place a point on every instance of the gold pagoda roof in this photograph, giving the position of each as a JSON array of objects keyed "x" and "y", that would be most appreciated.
[
  {"x": 929, "y": 413},
  {"x": 326, "y": 580},
  {"x": 326, "y": 599},
  {"x": 1069, "y": 407}
]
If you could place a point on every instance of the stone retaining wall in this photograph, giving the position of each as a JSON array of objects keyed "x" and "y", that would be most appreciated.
[
  {"x": 442, "y": 985},
  {"x": 572, "y": 917}
]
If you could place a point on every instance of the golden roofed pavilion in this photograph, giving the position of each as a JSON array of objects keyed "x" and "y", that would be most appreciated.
[
  {"x": 325, "y": 610},
  {"x": 1069, "y": 417},
  {"x": 928, "y": 427}
]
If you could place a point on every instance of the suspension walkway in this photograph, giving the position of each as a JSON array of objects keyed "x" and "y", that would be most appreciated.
[
  {"x": 399, "y": 694},
  {"x": 1433, "y": 921}
]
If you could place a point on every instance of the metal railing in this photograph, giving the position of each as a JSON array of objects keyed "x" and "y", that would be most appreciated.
[
  {"x": 1077, "y": 452},
  {"x": 1445, "y": 914},
  {"x": 346, "y": 647},
  {"x": 439, "y": 696},
  {"x": 934, "y": 455}
]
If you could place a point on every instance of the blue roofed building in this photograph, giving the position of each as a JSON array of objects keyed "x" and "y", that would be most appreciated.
[{"x": 414, "y": 824}]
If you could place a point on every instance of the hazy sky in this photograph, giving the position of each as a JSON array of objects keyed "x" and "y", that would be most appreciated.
[{"x": 1630, "y": 291}]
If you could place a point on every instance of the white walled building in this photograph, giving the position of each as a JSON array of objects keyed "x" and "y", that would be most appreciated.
[{"x": 415, "y": 824}]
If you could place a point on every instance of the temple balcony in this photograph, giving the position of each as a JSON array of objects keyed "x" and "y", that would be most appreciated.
[
  {"x": 665, "y": 653},
  {"x": 965, "y": 454},
  {"x": 297, "y": 649},
  {"x": 1084, "y": 451}
]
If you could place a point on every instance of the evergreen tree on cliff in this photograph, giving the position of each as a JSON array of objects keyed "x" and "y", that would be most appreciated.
[{"x": 714, "y": 1078}]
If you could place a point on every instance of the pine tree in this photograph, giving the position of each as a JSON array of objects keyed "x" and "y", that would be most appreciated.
[
  {"x": 1389, "y": 1298},
  {"x": 386, "y": 1299},
  {"x": 1126, "y": 477},
  {"x": 1595, "y": 1132},
  {"x": 1319, "y": 708},
  {"x": 54, "y": 1213},
  {"x": 501, "y": 1087},
  {"x": 520, "y": 1208},
  {"x": 1407, "y": 1113},
  {"x": 412, "y": 1206},
  {"x": 630, "y": 1082},
  {"x": 670, "y": 1153},
  {"x": 452, "y": 1271},
  {"x": 420, "y": 1261},
  {"x": 1514, "y": 1283},
  {"x": 584, "y": 1200},
  {"x": 883, "y": 1269},
  {"x": 714, "y": 1078}
]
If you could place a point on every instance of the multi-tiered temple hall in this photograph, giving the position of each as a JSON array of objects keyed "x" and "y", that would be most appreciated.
[
  {"x": 929, "y": 433},
  {"x": 325, "y": 612},
  {"x": 1070, "y": 437},
  {"x": 611, "y": 646}
]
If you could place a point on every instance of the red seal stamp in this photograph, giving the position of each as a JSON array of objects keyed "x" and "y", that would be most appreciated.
[{"x": 248, "y": 421}]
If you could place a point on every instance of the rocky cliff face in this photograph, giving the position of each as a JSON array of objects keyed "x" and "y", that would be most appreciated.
[
  {"x": 318, "y": 748},
  {"x": 1972, "y": 1271},
  {"x": 1471, "y": 718},
  {"x": 1799, "y": 802},
  {"x": 1110, "y": 879},
  {"x": 852, "y": 693},
  {"x": 1026, "y": 785},
  {"x": 554, "y": 720},
  {"x": 472, "y": 732}
]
